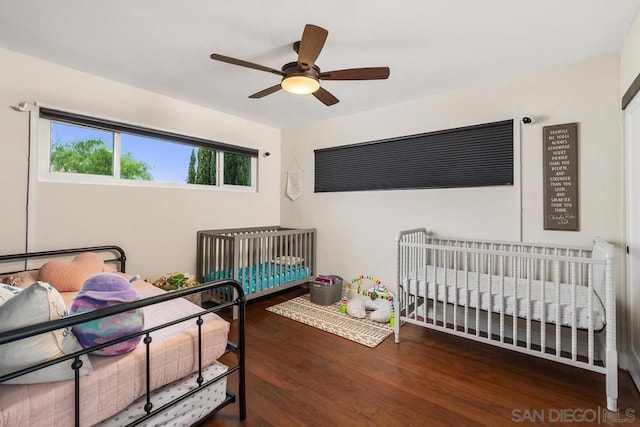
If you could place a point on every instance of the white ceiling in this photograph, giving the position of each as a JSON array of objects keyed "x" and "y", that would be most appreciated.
[{"x": 431, "y": 46}]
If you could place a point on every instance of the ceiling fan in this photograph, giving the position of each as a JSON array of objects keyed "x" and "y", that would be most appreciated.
[{"x": 303, "y": 77}]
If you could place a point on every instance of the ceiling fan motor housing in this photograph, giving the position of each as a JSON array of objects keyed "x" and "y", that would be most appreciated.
[{"x": 291, "y": 69}]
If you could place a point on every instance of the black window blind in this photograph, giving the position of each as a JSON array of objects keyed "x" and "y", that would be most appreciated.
[
  {"x": 472, "y": 156},
  {"x": 78, "y": 119}
]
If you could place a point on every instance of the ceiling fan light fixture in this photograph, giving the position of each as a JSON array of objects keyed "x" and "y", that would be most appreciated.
[
  {"x": 300, "y": 84},
  {"x": 302, "y": 77}
]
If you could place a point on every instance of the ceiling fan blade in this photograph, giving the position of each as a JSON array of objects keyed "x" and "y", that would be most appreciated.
[
  {"x": 242, "y": 63},
  {"x": 325, "y": 97},
  {"x": 372, "y": 73},
  {"x": 265, "y": 92},
  {"x": 311, "y": 43}
]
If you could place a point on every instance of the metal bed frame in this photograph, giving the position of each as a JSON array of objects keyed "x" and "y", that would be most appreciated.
[{"x": 238, "y": 304}]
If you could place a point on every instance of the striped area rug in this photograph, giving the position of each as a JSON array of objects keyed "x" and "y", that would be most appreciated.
[{"x": 329, "y": 319}]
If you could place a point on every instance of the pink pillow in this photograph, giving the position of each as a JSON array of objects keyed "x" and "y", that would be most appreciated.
[{"x": 69, "y": 276}]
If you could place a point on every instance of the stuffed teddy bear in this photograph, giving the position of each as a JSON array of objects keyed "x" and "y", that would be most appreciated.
[
  {"x": 358, "y": 306},
  {"x": 104, "y": 290}
]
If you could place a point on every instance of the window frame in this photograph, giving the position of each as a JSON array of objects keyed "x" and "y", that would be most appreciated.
[{"x": 43, "y": 143}]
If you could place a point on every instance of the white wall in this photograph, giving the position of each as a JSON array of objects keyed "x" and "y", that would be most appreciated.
[
  {"x": 630, "y": 56},
  {"x": 356, "y": 230},
  {"x": 157, "y": 227}
]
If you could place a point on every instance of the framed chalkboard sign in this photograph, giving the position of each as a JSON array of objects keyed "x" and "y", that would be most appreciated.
[{"x": 560, "y": 158}]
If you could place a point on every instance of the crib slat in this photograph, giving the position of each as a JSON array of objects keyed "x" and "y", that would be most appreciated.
[
  {"x": 590, "y": 331},
  {"x": 478, "y": 296},
  {"x": 515, "y": 272},
  {"x": 250, "y": 264},
  {"x": 237, "y": 249},
  {"x": 436, "y": 255},
  {"x": 574, "y": 326},
  {"x": 530, "y": 267},
  {"x": 260, "y": 267},
  {"x": 269, "y": 263},
  {"x": 489, "y": 294},
  {"x": 502, "y": 297},
  {"x": 456, "y": 302},
  {"x": 445, "y": 255},
  {"x": 273, "y": 254},
  {"x": 466, "y": 292}
]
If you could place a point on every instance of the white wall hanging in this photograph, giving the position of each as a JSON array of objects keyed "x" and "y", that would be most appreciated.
[{"x": 295, "y": 181}]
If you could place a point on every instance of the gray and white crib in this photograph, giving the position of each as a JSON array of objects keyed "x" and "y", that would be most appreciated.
[
  {"x": 549, "y": 301},
  {"x": 263, "y": 259}
]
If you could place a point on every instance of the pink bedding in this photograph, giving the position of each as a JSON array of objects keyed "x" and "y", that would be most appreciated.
[{"x": 118, "y": 380}]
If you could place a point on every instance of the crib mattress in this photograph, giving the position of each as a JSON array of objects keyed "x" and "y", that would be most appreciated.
[
  {"x": 515, "y": 296},
  {"x": 117, "y": 381},
  {"x": 262, "y": 276}
]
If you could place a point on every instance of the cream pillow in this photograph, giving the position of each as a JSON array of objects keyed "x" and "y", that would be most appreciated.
[
  {"x": 288, "y": 260},
  {"x": 38, "y": 303},
  {"x": 22, "y": 279},
  {"x": 7, "y": 291}
]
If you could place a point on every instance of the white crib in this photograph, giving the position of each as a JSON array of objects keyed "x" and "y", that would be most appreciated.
[{"x": 549, "y": 301}]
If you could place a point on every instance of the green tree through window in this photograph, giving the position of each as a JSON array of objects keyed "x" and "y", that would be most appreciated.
[
  {"x": 92, "y": 157},
  {"x": 206, "y": 168},
  {"x": 202, "y": 168},
  {"x": 191, "y": 173},
  {"x": 237, "y": 169}
]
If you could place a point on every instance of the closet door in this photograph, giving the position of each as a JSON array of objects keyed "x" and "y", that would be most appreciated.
[{"x": 632, "y": 142}]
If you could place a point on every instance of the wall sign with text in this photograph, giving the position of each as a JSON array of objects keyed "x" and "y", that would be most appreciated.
[{"x": 560, "y": 162}]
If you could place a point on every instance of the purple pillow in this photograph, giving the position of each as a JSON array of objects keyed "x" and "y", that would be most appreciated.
[{"x": 104, "y": 290}]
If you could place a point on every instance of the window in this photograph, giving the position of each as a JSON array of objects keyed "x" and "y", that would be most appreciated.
[
  {"x": 81, "y": 150},
  {"x": 237, "y": 169},
  {"x": 87, "y": 149},
  {"x": 472, "y": 156}
]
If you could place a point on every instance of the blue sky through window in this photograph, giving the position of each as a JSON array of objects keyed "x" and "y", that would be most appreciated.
[
  {"x": 68, "y": 133},
  {"x": 168, "y": 161}
]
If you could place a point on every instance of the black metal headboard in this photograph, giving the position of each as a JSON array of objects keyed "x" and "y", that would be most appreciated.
[{"x": 117, "y": 251}]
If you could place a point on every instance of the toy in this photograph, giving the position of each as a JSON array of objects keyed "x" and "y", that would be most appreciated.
[
  {"x": 382, "y": 309},
  {"x": 175, "y": 281},
  {"x": 377, "y": 298},
  {"x": 104, "y": 290}
]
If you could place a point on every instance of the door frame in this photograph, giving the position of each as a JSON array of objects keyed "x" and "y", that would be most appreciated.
[{"x": 631, "y": 106}]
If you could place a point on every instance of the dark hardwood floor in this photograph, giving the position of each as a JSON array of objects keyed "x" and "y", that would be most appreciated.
[{"x": 298, "y": 375}]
